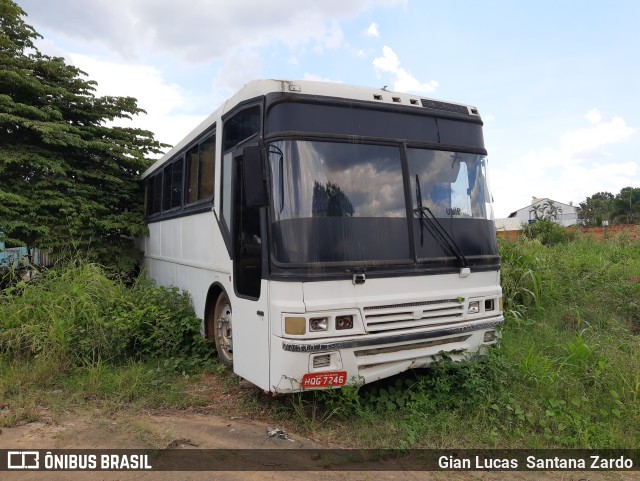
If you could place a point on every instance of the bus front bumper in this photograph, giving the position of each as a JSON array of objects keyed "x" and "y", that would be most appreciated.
[{"x": 367, "y": 358}]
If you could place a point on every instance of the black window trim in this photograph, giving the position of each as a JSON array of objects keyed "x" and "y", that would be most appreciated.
[
  {"x": 185, "y": 209},
  {"x": 254, "y": 139},
  {"x": 211, "y": 198}
]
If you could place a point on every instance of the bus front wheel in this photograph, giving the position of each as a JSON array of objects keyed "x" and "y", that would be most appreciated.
[{"x": 222, "y": 330}]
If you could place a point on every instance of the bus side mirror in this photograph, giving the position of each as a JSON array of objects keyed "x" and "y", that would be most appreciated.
[{"x": 255, "y": 177}]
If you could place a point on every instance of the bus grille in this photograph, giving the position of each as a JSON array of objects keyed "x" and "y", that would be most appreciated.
[{"x": 412, "y": 315}]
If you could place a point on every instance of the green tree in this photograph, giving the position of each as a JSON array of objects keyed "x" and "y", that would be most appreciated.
[
  {"x": 67, "y": 177},
  {"x": 596, "y": 209},
  {"x": 626, "y": 206}
]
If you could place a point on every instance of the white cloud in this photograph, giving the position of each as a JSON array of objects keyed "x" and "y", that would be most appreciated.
[
  {"x": 593, "y": 116},
  {"x": 48, "y": 47},
  {"x": 403, "y": 81},
  {"x": 167, "y": 105},
  {"x": 576, "y": 168},
  {"x": 334, "y": 37},
  {"x": 589, "y": 139},
  {"x": 318, "y": 78},
  {"x": 143, "y": 82},
  {"x": 200, "y": 30},
  {"x": 373, "y": 30},
  {"x": 237, "y": 70}
]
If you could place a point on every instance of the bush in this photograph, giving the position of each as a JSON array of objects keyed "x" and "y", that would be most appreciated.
[
  {"x": 75, "y": 315},
  {"x": 547, "y": 232}
]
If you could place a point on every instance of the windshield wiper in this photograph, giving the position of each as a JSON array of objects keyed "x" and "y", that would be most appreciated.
[{"x": 435, "y": 228}]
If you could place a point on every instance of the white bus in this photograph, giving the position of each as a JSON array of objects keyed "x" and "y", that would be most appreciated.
[{"x": 329, "y": 234}]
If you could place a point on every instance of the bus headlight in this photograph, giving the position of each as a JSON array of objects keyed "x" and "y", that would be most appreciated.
[
  {"x": 344, "y": 322},
  {"x": 474, "y": 307},
  {"x": 318, "y": 324}
]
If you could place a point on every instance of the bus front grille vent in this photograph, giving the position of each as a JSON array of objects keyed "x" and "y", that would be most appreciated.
[
  {"x": 413, "y": 315},
  {"x": 408, "y": 347}
]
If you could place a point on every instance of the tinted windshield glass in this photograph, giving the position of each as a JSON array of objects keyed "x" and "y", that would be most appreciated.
[
  {"x": 450, "y": 184},
  {"x": 344, "y": 203},
  {"x": 450, "y": 187},
  {"x": 337, "y": 202}
]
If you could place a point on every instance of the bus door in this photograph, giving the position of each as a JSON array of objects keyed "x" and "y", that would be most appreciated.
[{"x": 250, "y": 321}]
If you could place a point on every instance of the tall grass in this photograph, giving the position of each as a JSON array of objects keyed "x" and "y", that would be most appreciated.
[
  {"x": 77, "y": 316},
  {"x": 75, "y": 334},
  {"x": 567, "y": 372}
]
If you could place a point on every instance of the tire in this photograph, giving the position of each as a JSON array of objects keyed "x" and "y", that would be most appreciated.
[{"x": 222, "y": 331}]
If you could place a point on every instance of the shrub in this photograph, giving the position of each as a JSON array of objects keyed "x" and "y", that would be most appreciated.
[
  {"x": 76, "y": 315},
  {"x": 547, "y": 232}
]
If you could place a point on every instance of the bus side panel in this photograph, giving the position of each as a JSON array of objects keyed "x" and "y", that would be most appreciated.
[
  {"x": 188, "y": 253},
  {"x": 197, "y": 239}
]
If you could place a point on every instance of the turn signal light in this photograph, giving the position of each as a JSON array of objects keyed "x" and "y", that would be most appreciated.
[{"x": 295, "y": 325}]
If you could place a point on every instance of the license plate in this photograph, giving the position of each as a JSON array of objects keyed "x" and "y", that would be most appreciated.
[{"x": 324, "y": 379}]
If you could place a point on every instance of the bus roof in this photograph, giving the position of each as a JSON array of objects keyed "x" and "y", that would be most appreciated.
[{"x": 257, "y": 88}]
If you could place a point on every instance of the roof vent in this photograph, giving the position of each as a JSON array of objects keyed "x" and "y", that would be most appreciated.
[{"x": 434, "y": 104}]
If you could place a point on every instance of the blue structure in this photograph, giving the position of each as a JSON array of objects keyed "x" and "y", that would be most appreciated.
[{"x": 13, "y": 255}]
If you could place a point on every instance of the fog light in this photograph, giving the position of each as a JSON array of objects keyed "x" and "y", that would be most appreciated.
[
  {"x": 344, "y": 322},
  {"x": 295, "y": 325},
  {"x": 318, "y": 324},
  {"x": 474, "y": 307},
  {"x": 490, "y": 336}
]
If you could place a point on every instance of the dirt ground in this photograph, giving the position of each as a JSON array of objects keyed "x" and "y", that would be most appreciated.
[{"x": 188, "y": 430}]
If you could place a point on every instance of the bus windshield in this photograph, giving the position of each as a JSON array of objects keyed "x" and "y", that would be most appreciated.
[{"x": 336, "y": 202}]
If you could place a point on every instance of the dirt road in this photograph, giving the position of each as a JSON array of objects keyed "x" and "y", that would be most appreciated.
[{"x": 186, "y": 430}]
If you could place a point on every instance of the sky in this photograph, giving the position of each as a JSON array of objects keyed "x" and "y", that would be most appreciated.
[{"x": 557, "y": 83}]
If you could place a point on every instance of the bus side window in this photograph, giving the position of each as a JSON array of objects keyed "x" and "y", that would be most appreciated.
[
  {"x": 157, "y": 193},
  {"x": 241, "y": 126},
  {"x": 148, "y": 196},
  {"x": 153, "y": 198},
  {"x": 172, "y": 193},
  {"x": 206, "y": 170},
  {"x": 193, "y": 168},
  {"x": 200, "y": 171}
]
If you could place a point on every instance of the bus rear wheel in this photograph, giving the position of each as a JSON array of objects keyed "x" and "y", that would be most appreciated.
[{"x": 222, "y": 330}]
